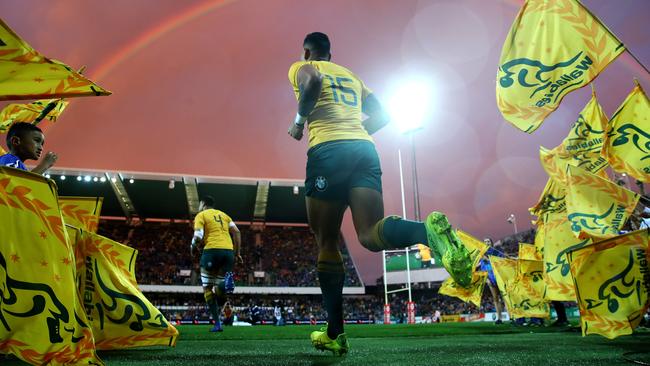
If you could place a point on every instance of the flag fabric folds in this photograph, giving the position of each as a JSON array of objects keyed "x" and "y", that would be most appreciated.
[
  {"x": 42, "y": 319},
  {"x": 528, "y": 291},
  {"x": 627, "y": 143},
  {"x": 596, "y": 207},
  {"x": 472, "y": 294},
  {"x": 529, "y": 252},
  {"x": 582, "y": 147},
  {"x": 475, "y": 247},
  {"x": 553, "y": 48},
  {"x": 612, "y": 279},
  {"x": 119, "y": 314},
  {"x": 49, "y": 109},
  {"x": 505, "y": 272},
  {"x": 26, "y": 74},
  {"x": 82, "y": 212},
  {"x": 559, "y": 240}
]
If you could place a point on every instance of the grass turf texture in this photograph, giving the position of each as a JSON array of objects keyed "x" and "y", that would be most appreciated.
[{"x": 427, "y": 344}]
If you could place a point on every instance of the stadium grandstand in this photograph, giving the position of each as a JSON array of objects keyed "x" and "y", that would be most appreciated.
[{"x": 152, "y": 213}]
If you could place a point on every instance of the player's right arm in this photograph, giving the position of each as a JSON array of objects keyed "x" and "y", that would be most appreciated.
[
  {"x": 199, "y": 224},
  {"x": 310, "y": 83},
  {"x": 377, "y": 116}
]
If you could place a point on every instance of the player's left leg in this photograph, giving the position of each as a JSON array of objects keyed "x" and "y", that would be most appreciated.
[
  {"x": 376, "y": 233},
  {"x": 210, "y": 281}
]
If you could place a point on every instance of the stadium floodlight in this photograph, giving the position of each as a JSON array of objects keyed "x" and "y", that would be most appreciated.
[
  {"x": 113, "y": 179},
  {"x": 47, "y": 176},
  {"x": 87, "y": 178},
  {"x": 131, "y": 180},
  {"x": 62, "y": 177},
  {"x": 79, "y": 178},
  {"x": 409, "y": 105},
  {"x": 102, "y": 179},
  {"x": 95, "y": 179}
]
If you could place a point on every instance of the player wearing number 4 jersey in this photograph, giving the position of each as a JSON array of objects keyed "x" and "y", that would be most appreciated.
[
  {"x": 343, "y": 170},
  {"x": 222, "y": 243}
]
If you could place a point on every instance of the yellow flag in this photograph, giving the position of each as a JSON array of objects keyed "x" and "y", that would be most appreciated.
[
  {"x": 505, "y": 272},
  {"x": 553, "y": 199},
  {"x": 596, "y": 207},
  {"x": 529, "y": 252},
  {"x": 627, "y": 144},
  {"x": 559, "y": 240},
  {"x": 475, "y": 247},
  {"x": 49, "y": 109},
  {"x": 587, "y": 132},
  {"x": 553, "y": 48},
  {"x": 82, "y": 212},
  {"x": 120, "y": 315},
  {"x": 528, "y": 291},
  {"x": 582, "y": 147},
  {"x": 42, "y": 317},
  {"x": 26, "y": 74},
  {"x": 471, "y": 294},
  {"x": 613, "y": 281},
  {"x": 539, "y": 239}
]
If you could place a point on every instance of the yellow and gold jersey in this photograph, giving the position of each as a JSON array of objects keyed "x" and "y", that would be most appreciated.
[
  {"x": 337, "y": 114},
  {"x": 216, "y": 227}
]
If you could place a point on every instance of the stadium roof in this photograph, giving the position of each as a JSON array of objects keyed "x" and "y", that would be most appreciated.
[{"x": 162, "y": 196}]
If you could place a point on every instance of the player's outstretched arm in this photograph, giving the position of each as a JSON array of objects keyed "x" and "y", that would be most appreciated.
[{"x": 377, "y": 116}]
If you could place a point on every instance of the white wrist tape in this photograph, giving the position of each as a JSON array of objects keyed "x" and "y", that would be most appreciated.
[{"x": 300, "y": 120}]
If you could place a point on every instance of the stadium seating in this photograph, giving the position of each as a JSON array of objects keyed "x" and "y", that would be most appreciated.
[{"x": 273, "y": 256}]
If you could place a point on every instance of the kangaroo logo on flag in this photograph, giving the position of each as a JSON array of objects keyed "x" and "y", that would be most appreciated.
[
  {"x": 556, "y": 88},
  {"x": 581, "y": 220},
  {"x": 629, "y": 132},
  {"x": 553, "y": 48},
  {"x": 618, "y": 286}
]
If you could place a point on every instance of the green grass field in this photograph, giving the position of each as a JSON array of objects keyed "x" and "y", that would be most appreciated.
[{"x": 430, "y": 344}]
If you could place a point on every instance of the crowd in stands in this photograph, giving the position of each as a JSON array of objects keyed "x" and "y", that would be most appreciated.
[
  {"x": 273, "y": 255},
  {"x": 258, "y": 308}
]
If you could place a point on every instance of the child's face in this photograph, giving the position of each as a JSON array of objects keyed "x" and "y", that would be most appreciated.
[{"x": 29, "y": 146}]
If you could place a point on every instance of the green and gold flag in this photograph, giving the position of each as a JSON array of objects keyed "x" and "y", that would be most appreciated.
[
  {"x": 553, "y": 48},
  {"x": 119, "y": 314},
  {"x": 612, "y": 279},
  {"x": 596, "y": 207},
  {"x": 552, "y": 199},
  {"x": 529, "y": 252},
  {"x": 505, "y": 272},
  {"x": 33, "y": 112},
  {"x": 475, "y": 247},
  {"x": 559, "y": 240},
  {"x": 627, "y": 143},
  {"x": 82, "y": 212},
  {"x": 528, "y": 290},
  {"x": 26, "y": 74},
  {"x": 42, "y": 319},
  {"x": 472, "y": 294}
]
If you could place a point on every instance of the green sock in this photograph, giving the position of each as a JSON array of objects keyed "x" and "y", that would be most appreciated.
[
  {"x": 331, "y": 275},
  {"x": 393, "y": 232},
  {"x": 211, "y": 300}
]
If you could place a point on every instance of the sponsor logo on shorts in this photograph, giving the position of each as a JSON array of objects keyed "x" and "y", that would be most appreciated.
[{"x": 321, "y": 183}]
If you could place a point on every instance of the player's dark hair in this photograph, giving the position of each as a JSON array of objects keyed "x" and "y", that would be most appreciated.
[
  {"x": 20, "y": 129},
  {"x": 208, "y": 201},
  {"x": 317, "y": 43}
]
